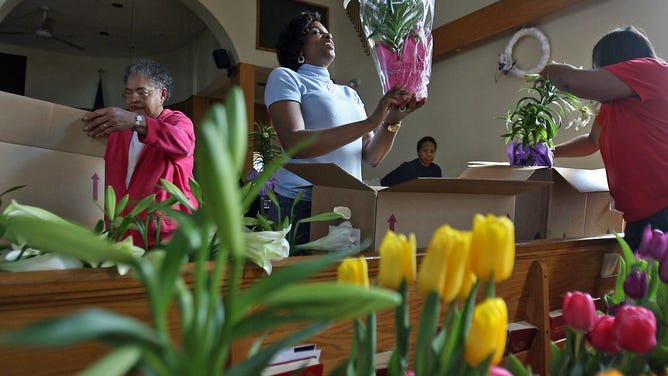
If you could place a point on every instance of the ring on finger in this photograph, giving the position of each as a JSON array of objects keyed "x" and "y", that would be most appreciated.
[
  {"x": 402, "y": 109},
  {"x": 104, "y": 126}
]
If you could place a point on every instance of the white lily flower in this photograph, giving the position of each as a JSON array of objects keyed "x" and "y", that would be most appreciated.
[
  {"x": 340, "y": 237},
  {"x": 264, "y": 246},
  {"x": 124, "y": 245},
  {"x": 345, "y": 211},
  {"x": 34, "y": 260}
]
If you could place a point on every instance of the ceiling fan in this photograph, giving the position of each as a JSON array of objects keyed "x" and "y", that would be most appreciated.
[{"x": 45, "y": 30}]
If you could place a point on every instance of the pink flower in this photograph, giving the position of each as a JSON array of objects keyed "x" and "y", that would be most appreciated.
[
  {"x": 579, "y": 311},
  {"x": 409, "y": 68},
  {"x": 499, "y": 371},
  {"x": 602, "y": 336},
  {"x": 635, "y": 329}
]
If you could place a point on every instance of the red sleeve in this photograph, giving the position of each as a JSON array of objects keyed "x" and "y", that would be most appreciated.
[
  {"x": 172, "y": 132},
  {"x": 645, "y": 76}
]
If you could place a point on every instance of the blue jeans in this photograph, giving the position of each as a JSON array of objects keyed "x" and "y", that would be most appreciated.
[
  {"x": 633, "y": 230},
  {"x": 300, "y": 211}
]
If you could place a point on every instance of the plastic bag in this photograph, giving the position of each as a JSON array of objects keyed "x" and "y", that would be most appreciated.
[{"x": 399, "y": 35}]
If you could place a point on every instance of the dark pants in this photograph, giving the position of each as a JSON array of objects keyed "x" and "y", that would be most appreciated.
[
  {"x": 300, "y": 211},
  {"x": 633, "y": 231}
]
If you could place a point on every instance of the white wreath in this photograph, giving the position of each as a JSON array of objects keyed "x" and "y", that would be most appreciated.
[{"x": 506, "y": 63}]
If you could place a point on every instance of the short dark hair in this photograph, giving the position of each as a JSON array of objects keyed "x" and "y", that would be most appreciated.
[
  {"x": 426, "y": 139},
  {"x": 621, "y": 44},
  {"x": 156, "y": 73},
  {"x": 291, "y": 39}
]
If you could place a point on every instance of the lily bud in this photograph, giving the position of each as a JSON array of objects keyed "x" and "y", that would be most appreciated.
[
  {"x": 354, "y": 271},
  {"x": 492, "y": 247},
  {"x": 397, "y": 260},
  {"x": 636, "y": 285},
  {"x": 487, "y": 335},
  {"x": 635, "y": 329},
  {"x": 579, "y": 311}
]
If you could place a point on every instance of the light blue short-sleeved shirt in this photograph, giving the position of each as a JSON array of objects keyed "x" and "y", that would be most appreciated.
[{"x": 323, "y": 105}]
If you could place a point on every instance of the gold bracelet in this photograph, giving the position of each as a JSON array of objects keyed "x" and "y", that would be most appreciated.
[{"x": 393, "y": 128}]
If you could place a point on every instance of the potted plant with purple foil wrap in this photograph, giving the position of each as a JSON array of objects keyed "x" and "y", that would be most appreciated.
[
  {"x": 399, "y": 36},
  {"x": 533, "y": 122}
]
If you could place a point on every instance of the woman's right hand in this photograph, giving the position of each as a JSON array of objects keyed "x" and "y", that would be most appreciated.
[{"x": 394, "y": 106}]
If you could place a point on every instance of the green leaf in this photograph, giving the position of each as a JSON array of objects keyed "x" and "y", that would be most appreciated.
[
  {"x": 326, "y": 216},
  {"x": 86, "y": 325},
  {"x": 54, "y": 234},
  {"x": 117, "y": 363},
  {"x": 330, "y": 300},
  {"x": 425, "y": 355},
  {"x": 177, "y": 193},
  {"x": 236, "y": 127}
]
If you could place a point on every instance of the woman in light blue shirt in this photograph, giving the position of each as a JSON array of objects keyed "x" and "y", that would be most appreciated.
[{"x": 303, "y": 101}]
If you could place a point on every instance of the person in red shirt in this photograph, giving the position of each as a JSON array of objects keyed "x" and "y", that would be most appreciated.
[
  {"x": 147, "y": 142},
  {"x": 631, "y": 128}
]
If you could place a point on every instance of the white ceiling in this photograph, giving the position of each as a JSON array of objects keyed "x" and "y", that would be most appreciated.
[{"x": 102, "y": 28}]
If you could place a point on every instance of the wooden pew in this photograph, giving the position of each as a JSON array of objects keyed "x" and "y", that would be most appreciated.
[{"x": 544, "y": 271}]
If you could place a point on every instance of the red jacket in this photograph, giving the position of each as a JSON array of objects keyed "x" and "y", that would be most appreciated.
[{"x": 168, "y": 153}]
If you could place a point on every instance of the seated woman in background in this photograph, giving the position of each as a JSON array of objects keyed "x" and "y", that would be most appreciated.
[{"x": 421, "y": 167}]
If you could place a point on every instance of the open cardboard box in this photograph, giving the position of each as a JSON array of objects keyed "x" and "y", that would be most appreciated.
[
  {"x": 42, "y": 146},
  {"x": 419, "y": 206},
  {"x": 578, "y": 204}
]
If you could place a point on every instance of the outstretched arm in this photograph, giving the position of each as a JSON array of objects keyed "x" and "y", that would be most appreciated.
[
  {"x": 290, "y": 128},
  {"x": 596, "y": 84}
]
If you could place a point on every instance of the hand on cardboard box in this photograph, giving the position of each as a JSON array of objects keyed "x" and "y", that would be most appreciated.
[{"x": 101, "y": 122}]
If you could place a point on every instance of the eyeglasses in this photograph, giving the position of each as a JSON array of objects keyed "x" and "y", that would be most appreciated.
[{"x": 141, "y": 93}]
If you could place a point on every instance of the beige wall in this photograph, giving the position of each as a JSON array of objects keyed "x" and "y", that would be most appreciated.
[{"x": 464, "y": 99}]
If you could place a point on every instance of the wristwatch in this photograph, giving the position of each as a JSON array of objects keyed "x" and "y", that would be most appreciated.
[
  {"x": 394, "y": 127},
  {"x": 138, "y": 121}
]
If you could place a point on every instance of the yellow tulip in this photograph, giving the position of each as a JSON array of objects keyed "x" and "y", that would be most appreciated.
[
  {"x": 354, "y": 271},
  {"x": 442, "y": 269},
  {"x": 487, "y": 334},
  {"x": 609, "y": 372},
  {"x": 397, "y": 260},
  {"x": 468, "y": 278},
  {"x": 492, "y": 247}
]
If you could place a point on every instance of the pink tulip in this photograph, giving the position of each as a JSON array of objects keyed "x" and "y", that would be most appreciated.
[
  {"x": 499, "y": 371},
  {"x": 579, "y": 311},
  {"x": 635, "y": 329},
  {"x": 602, "y": 336}
]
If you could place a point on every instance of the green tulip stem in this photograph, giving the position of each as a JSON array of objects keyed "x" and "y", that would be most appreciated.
[
  {"x": 400, "y": 362},
  {"x": 579, "y": 338},
  {"x": 491, "y": 291}
]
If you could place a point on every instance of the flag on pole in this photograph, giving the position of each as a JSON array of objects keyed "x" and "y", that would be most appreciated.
[{"x": 99, "y": 96}]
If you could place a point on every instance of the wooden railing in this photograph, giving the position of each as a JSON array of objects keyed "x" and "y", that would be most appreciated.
[{"x": 544, "y": 271}]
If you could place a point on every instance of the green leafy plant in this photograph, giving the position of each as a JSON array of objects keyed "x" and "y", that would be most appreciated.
[
  {"x": 536, "y": 118},
  {"x": 392, "y": 22},
  {"x": 214, "y": 310},
  {"x": 265, "y": 145}
]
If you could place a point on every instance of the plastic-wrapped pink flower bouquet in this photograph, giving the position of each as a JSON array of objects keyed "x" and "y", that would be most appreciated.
[{"x": 399, "y": 35}]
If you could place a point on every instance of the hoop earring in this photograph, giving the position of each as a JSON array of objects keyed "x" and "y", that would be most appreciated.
[{"x": 301, "y": 59}]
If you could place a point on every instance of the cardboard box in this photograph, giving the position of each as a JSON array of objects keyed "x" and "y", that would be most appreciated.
[
  {"x": 42, "y": 146},
  {"x": 577, "y": 204},
  {"x": 419, "y": 206}
]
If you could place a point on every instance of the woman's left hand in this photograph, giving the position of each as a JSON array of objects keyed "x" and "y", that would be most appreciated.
[{"x": 101, "y": 122}]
